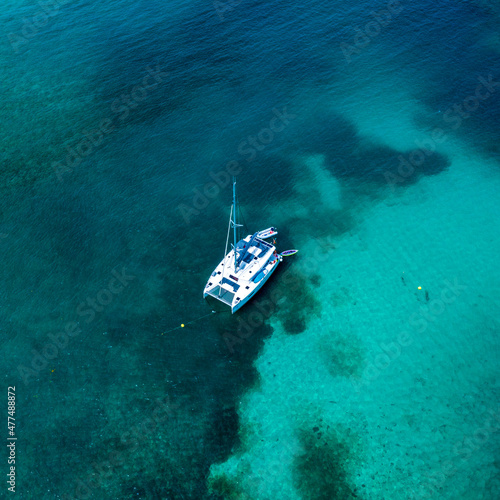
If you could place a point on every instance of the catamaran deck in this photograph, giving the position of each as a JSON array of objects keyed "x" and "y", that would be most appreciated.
[{"x": 236, "y": 279}]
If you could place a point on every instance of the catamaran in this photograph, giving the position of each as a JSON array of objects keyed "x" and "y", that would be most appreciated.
[{"x": 244, "y": 270}]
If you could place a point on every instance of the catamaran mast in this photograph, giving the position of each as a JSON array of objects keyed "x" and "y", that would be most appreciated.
[{"x": 234, "y": 221}]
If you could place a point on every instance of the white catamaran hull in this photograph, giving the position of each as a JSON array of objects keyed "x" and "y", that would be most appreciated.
[
  {"x": 237, "y": 279},
  {"x": 227, "y": 294},
  {"x": 260, "y": 285},
  {"x": 245, "y": 269}
]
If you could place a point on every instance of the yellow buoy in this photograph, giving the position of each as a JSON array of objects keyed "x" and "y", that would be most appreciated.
[
  {"x": 182, "y": 325},
  {"x": 420, "y": 288}
]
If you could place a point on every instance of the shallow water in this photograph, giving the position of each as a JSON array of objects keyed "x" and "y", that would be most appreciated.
[{"x": 368, "y": 365}]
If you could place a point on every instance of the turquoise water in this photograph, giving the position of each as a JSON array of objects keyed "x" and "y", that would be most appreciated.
[{"x": 368, "y": 134}]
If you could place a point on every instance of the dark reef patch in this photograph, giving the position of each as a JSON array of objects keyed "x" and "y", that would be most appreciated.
[
  {"x": 227, "y": 489},
  {"x": 325, "y": 470},
  {"x": 367, "y": 163},
  {"x": 315, "y": 279},
  {"x": 222, "y": 434},
  {"x": 342, "y": 354},
  {"x": 364, "y": 167},
  {"x": 382, "y": 165},
  {"x": 297, "y": 302}
]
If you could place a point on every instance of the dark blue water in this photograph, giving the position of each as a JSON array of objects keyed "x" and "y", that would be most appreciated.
[{"x": 113, "y": 115}]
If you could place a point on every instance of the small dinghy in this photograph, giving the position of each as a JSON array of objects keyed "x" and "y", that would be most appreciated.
[
  {"x": 286, "y": 253},
  {"x": 267, "y": 233}
]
